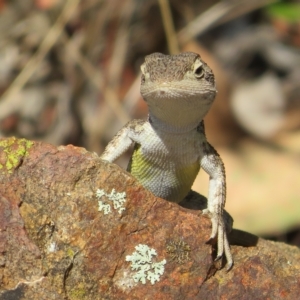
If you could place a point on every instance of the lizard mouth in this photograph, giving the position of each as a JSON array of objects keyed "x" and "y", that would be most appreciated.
[
  {"x": 180, "y": 90},
  {"x": 166, "y": 94}
]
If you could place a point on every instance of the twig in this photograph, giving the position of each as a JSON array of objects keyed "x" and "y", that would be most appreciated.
[
  {"x": 218, "y": 14},
  {"x": 97, "y": 79},
  {"x": 43, "y": 49},
  {"x": 171, "y": 36}
]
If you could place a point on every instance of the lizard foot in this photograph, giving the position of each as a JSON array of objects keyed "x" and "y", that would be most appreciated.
[{"x": 219, "y": 231}]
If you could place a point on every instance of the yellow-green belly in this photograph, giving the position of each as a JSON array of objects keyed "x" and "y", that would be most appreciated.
[{"x": 163, "y": 175}]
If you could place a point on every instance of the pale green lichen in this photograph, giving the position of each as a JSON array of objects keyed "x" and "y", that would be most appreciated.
[
  {"x": 117, "y": 200},
  {"x": 146, "y": 269},
  {"x": 12, "y": 150}
]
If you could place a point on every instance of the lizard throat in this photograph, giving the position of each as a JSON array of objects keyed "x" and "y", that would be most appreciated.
[
  {"x": 177, "y": 116},
  {"x": 170, "y": 127}
]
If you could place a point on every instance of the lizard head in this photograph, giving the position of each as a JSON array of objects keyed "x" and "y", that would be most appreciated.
[{"x": 179, "y": 89}]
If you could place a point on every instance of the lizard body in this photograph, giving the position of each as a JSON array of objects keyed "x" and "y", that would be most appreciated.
[{"x": 170, "y": 147}]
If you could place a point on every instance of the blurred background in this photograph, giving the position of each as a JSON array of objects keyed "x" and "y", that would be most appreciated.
[{"x": 70, "y": 73}]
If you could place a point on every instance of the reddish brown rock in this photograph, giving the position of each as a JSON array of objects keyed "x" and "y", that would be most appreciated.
[{"x": 55, "y": 244}]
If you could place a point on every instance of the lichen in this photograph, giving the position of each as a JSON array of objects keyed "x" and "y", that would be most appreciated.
[
  {"x": 141, "y": 262},
  {"x": 178, "y": 250},
  {"x": 77, "y": 294},
  {"x": 12, "y": 151},
  {"x": 116, "y": 199},
  {"x": 70, "y": 253}
]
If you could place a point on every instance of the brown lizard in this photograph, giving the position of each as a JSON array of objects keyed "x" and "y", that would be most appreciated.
[{"x": 171, "y": 146}]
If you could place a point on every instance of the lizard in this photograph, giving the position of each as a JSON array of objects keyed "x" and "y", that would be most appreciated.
[{"x": 170, "y": 146}]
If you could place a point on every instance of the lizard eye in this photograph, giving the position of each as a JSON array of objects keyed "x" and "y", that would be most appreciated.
[
  {"x": 199, "y": 72},
  {"x": 143, "y": 78}
]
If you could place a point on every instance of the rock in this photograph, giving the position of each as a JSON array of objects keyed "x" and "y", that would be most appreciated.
[{"x": 56, "y": 243}]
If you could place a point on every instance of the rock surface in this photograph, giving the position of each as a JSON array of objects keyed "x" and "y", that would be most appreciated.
[{"x": 55, "y": 243}]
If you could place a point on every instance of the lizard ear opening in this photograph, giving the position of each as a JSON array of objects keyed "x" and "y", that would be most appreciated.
[{"x": 198, "y": 69}]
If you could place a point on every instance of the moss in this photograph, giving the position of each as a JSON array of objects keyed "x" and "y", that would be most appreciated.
[
  {"x": 77, "y": 294},
  {"x": 70, "y": 253},
  {"x": 12, "y": 151}
]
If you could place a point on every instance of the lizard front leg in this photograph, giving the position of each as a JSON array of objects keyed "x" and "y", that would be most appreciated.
[
  {"x": 213, "y": 165},
  {"x": 119, "y": 144}
]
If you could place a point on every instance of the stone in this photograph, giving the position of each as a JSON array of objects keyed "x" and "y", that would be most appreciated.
[{"x": 57, "y": 243}]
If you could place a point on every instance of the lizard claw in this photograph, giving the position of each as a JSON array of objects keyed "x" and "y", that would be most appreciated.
[
  {"x": 219, "y": 231},
  {"x": 214, "y": 223},
  {"x": 229, "y": 266},
  {"x": 218, "y": 258}
]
